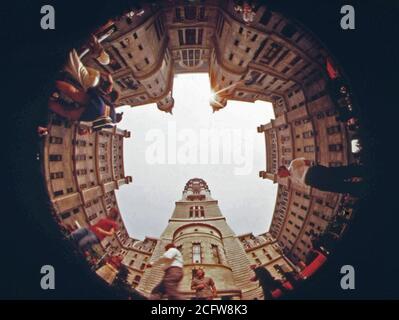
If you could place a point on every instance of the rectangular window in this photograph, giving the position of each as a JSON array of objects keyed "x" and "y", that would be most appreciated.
[
  {"x": 178, "y": 14},
  {"x": 200, "y": 33},
  {"x": 215, "y": 253},
  {"x": 57, "y": 175},
  {"x": 196, "y": 253},
  {"x": 307, "y": 134},
  {"x": 333, "y": 129},
  {"x": 295, "y": 60},
  {"x": 202, "y": 13},
  {"x": 309, "y": 148},
  {"x": 190, "y": 36},
  {"x": 190, "y": 12},
  {"x": 285, "y": 70},
  {"x": 58, "y": 193},
  {"x": 55, "y": 140},
  {"x": 335, "y": 147},
  {"x": 55, "y": 157},
  {"x": 181, "y": 40},
  {"x": 65, "y": 215},
  {"x": 80, "y": 157}
]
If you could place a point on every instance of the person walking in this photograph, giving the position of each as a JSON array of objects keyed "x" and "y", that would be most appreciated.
[
  {"x": 331, "y": 179},
  {"x": 172, "y": 260},
  {"x": 266, "y": 281},
  {"x": 86, "y": 238}
]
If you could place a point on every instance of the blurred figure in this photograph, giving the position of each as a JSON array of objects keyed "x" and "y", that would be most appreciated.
[
  {"x": 97, "y": 49},
  {"x": 42, "y": 131},
  {"x": 246, "y": 8},
  {"x": 86, "y": 238},
  {"x": 172, "y": 260},
  {"x": 86, "y": 77},
  {"x": 266, "y": 281},
  {"x": 204, "y": 286},
  {"x": 332, "y": 179},
  {"x": 84, "y": 105}
]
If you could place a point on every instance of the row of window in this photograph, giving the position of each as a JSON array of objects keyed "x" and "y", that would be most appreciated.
[
  {"x": 268, "y": 256},
  {"x": 190, "y": 36},
  {"x": 190, "y": 13},
  {"x": 61, "y": 192},
  {"x": 197, "y": 211},
  {"x": 66, "y": 215},
  {"x": 55, "y": 140}
]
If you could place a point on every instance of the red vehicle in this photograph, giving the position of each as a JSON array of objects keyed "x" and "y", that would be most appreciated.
[
  {"x": 278, "y": 293},
  {"x": 318, "y": 260}
]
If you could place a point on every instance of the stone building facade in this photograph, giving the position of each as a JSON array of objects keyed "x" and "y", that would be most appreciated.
[
  {"x": 264, "y": 251},
  {"x": 82, "y": 172},
  {"x": 201, "y": 233}
]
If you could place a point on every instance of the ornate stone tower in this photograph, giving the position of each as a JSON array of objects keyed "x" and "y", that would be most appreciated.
[{"x": 206, "y": 241}]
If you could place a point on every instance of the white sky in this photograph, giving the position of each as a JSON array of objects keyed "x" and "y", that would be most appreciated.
[{"x": 246, "y": 200}]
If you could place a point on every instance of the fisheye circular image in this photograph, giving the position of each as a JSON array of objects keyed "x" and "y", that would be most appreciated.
[{"x": 203, "y": 150}]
